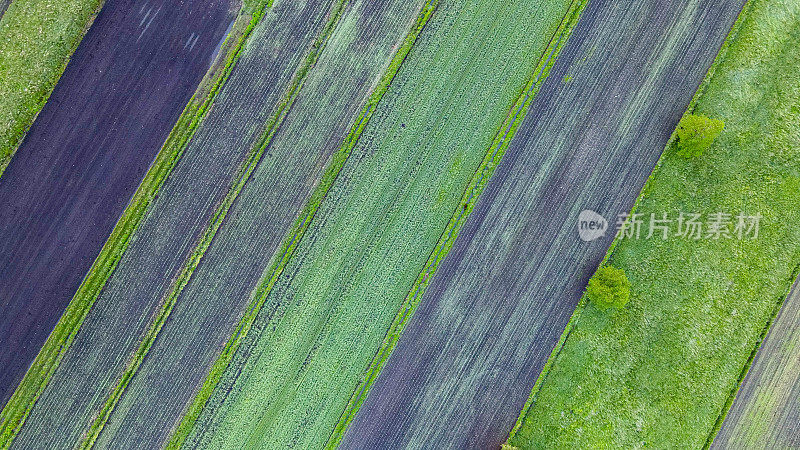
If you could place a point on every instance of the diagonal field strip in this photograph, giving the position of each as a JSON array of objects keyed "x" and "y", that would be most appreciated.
[
  {"x": 213, "y": 302},
  {"x": 174, "y": 222},
  {"x": 3, "y": 6},
  {"x": 473, "y": 191},
  {"x": 470, "y": 354},
  {"x": 328, "y": 313},
  {"x": 85, "y": 154},
  {"x": 763, "y": 411},
  {"x": 569, "y": 326},
  {"x": 290, "y": 244},
  {"x": 659, "y": 372},
  {"x": 191, "y": 264},
  {"x": 41, "y": 370}
]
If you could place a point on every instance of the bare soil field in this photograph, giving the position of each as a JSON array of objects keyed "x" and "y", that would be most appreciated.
[{"x": 84, "y": 156}]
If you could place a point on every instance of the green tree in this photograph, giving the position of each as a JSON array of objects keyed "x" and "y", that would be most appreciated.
[
  {"x": 696, "y": 133},
  {"x": 609, "y": 287}
]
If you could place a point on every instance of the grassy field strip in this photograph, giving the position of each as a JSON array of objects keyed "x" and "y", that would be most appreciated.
[
  {"x": 568, "y": 329},
  {"x": 473, "y": 191},
  {"x": 290, "y": 244},
  {"x": 583, "y": 302},
  {"x": 197, "y": 254},
  {"x": 765, "y": 412},
  {"x": 392, "y": 181},
  {"x": 37, "y": 39},
  {"x": 718, "y": 326},
  {"x": 128, "y": 300},
  {"x": 37, "y": 377}
]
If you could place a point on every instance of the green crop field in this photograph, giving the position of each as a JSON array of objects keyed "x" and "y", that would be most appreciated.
[
  {"x": 37, "y": 38},
  {"x": 662, "y": 371},
  {"x": 338, "y": 294},
  {"x": 315, "y": 125}
]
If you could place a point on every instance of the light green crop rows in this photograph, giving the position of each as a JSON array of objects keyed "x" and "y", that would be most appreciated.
[
  {"x": 325, "y": 317},
  {"x": 459, "y": 217},
  {"x": 37, "y": 38},
  {"x": 299, "y": 136},
  {"x": 660, "y": 372}
]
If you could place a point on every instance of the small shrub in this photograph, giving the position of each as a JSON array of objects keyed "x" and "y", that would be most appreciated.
[
  {"x": 696, "y": 134},
  {"x": 609, "y": 287}
]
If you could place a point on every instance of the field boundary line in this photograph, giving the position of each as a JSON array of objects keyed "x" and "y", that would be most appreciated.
[
  {"x": 37, "y": 377},
  {"x": 193, "y": 260},
  {"x": 23, "y": 129},
  {"x": 475, "y": 187},
  {"x": 297, "y": 232},
  {"x": 582, "y": 303}
]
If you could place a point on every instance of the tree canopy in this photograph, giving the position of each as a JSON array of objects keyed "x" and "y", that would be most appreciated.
[
  {"x": 609, "y": 287},
  {"x": 696, "y": 133}
]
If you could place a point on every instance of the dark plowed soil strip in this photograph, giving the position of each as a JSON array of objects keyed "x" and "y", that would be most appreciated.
[
  {"x": 3, "y": 6},
  {"x": 133, "y": 295},
  {"x": 86, "y": 153}
]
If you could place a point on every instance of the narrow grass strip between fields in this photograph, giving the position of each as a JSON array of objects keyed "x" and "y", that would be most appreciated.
[
  {"x": 297, "y": 232},
  {"x": 471, "y": 194},
  {"x": 41, "y": 370},
  {"x": 583, "y": 302},
  {"x": 25, "y": 109},
  {"x": 216, "y": 221}
]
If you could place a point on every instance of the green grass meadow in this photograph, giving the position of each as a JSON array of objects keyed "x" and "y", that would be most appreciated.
[{"x": 662, "y": 371}]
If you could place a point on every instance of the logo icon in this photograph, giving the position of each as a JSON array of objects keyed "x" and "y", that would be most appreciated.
[{"x": 591, "y": 225}]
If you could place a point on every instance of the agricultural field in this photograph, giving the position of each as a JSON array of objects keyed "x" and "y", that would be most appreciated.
[
  {"x": 215, "y": 157},
  {"x": 765, "y": 412},
  {"x": 489, "y": 318},
  {"x": 662, "y": 371},
  {"x": 397, "y": 224},
  {"x": 337, "y": 295},
  {"x": 212, "y": 302},
  {"x": 37, "y": 38},
  {"x": 86, "y": 153}
]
